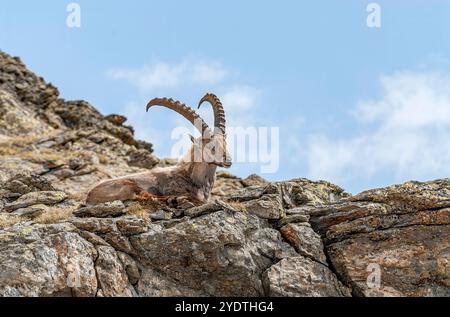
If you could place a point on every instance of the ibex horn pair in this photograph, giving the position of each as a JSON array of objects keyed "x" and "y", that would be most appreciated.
[{"x": 192, "y": 116}]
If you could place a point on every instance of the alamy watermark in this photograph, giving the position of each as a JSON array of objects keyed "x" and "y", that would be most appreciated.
[
  {"x": 374, "y": 17},
  {"x": 373, "y": 281},
  {"x": 251, "y": 144},
  {"x": 73, "y": 19}
]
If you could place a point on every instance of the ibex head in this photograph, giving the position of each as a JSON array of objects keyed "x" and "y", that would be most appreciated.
[{"x": 211, "y": 146}]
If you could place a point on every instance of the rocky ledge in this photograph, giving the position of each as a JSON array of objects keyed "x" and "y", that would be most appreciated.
[{"x": 255, "y": 238}]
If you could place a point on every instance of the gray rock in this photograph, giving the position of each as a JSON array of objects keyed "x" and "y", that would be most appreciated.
[
  {"x": 110, "y": 209},
  {"x": 129, "y": 225},
  {"x": 31, "y": 211},
  {"x": 301, "y": 277},
  {"x": 26, "y": 183},
  {"x": 95, "y": 225},
  {"x": 36, "y": 198},
  {"x": 113, "y": 280},
  {"x": 131, "y": 267},
  {"x": 49, "y": 260},
  {"x": 161, "y": 215},
  {"x": 305, "y": 241},
  {"x": 220, "y": 254},
  {"x": 268, "y": 207},
  {"x": 154, "y": 284},
  {"x": 202, "y": 210},
  {"x": 290, "y": 218}
]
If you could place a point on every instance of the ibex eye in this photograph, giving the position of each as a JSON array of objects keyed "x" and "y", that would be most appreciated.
[{"x": 213, "y": 150}]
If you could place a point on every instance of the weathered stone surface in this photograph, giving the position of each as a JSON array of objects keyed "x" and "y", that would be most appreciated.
[
  {"x": 397, "y": 235},
  {"x": 267, "y": 207},
  {"x": 254, "y": 180},
  {"x": 221, "y": 253},
  {"x": 129, "y": 225},
  {"x": 47, "y": 260},
  {"x": 293, "y": 218},
  {"x": 113, "y": 280},
  {"x": 203, "y": 209},
  {"x": 161, "y": 215},
  {"x": 31, "y": 211},
  {"x": 112, "y": 209},
  {"x": 154, "y": 284},
  {"x": 36, "y": 198},
  {"x": 305, "y": 241},
  {"x": 300, "y": 276},
  {"x": 95, "y": 225},
  {"x": 130, "y": 266},
  {"x": 25, "y": 183}
]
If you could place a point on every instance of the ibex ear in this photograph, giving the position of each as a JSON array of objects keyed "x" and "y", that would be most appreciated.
[{"x": 192, "y": 138}]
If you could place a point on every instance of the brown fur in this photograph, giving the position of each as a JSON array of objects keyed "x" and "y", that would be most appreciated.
[{"x": 193, "y": 178}]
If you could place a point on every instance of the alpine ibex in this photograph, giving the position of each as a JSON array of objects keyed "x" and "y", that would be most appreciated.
[{"x": 192, "y": 178}]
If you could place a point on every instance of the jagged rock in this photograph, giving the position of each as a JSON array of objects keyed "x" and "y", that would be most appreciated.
[
  {"x": 154, "y": 284},
  {"x": 161, "y": 215},
  {"x": 116, "y": 119},
  {"x": 95, "y": 225},
  {"x": 220, "y": 254},
  {"x": 26, "y": 183},
  {"x": 119, "y": 242},
  {"x": 300, "y": 276},
  {"x": 301, "y": 191},
  {"x": 305, "y": 241},
  {"x": 254, "y": 180},
  {"x": 49, "y": 260},
  {"x": 36, "y": 198},
  {"x": 15, "y": 119},
  {"x": 111, "y": 209},
  {"x": 398, "y": 236},
  {"x": 93, "y": 238},
  {"x": 201, "y": 210},
  {"x": 112, "y": 278},
  {"x": 130, "y": 266},
  {"x": 290, "y": 218},
  {"x": 267, "y": 207},
  {"x": 141, "y": 158},
  {"x": 31, "y": 211},
  {"x": 225, "y": 183},
  {"x": 131, "y": 225},
  {"x": 263, "y": 201}
]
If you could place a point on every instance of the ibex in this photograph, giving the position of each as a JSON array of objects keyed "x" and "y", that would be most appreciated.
[{"x": 192, "y": 178}]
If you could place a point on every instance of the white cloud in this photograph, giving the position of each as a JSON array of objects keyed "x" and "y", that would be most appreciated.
[
  {"x": 240, "y": 103},
  {"x": 407, "y": 134},
  {"x": 163, "y": 75},
  {"x": 240, "y": 98}
]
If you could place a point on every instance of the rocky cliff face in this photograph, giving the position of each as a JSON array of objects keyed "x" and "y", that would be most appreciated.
[{"x": 255, "y": 238}]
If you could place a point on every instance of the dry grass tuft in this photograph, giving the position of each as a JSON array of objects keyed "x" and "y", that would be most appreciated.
[
  {"x": 54, "y": 215},
  {"x": 136, "y": 210},
  {"x": 78, "y": 196},
  {"x": 8, "y": 220},
  {"x": 13, "y": 145}
]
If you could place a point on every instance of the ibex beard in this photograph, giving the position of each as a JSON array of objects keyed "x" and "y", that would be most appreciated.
[{"x": 192, "y": 178}]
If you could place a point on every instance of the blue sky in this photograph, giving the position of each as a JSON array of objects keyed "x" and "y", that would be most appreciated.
[{"x": 361, "y": 107}]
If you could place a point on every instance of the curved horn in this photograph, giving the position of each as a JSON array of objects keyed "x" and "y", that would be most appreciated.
[
  {"x": 182, "y": 109},
  {"x": 219, "y": 113}
]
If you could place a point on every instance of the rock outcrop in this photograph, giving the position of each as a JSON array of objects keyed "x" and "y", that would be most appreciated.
[{"x": 255, "y": 238}]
